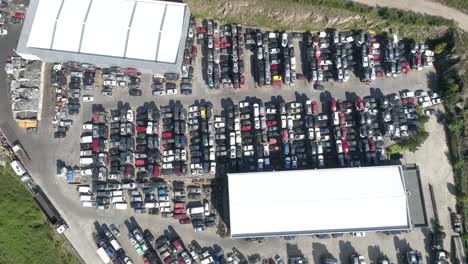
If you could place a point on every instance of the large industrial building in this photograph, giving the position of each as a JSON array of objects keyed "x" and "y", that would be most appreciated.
[
  {"x": 326, "y": 201},
  {"x": 143, "y": 34}
]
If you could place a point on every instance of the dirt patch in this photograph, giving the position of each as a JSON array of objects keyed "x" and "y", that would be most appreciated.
[{"x": 299, "y": 16}]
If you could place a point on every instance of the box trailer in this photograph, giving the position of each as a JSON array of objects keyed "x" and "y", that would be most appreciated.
[{"x": 103, "y": 255}]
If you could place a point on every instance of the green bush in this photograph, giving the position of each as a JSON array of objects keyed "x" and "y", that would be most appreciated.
[
  {"x": 395, "y": 149},
  {"x": 439, "y": 48}
]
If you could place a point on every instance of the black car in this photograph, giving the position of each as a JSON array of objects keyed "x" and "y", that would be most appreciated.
[
  {"x": 135, "y": 92},
  {"x": 59, "y": 134}
]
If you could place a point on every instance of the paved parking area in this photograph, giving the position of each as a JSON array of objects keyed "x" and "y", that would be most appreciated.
[{"x": 45, "y": 150}]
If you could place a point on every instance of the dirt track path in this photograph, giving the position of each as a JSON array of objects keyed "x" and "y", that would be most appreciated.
[{"x": 424, "y": 6}]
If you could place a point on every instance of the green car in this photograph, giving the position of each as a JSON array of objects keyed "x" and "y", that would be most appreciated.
[{"x": 138, "y": 249}]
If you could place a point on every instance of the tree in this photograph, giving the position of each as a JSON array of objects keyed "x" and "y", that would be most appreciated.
[
  {"x": 455, "y": 124},
  {"x": 415, "y": 141}
]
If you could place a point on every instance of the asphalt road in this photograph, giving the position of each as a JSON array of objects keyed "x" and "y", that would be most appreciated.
[{"x": 424, "y": 6}]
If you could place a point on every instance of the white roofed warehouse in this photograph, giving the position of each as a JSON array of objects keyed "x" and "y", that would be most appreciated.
[
  {"x": 144, "y": 34},
  {"x": 325, "y": 201}
]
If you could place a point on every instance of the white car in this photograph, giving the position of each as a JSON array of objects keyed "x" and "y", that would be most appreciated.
[
  {"x": 168, "y": 153},
  {"x": 243, "y": 104},
  {"x": 193, "y": 108},
  {"x": 257, "y": 123},
  {"x": 171, "y": 91},
  {"x": 233, "y": 152},
  {"x": 436, "y": 101},
  {"x": 3, "y": 32},
  {"x": 183, "y": 155},
  {"x": 256, "y": 108},
  {"x": 129, "y": 115},
  {"x": 88, "y": 98},
  {"x": 271, "y": 111},
  {"x": 295, "y": 105},
  {"x": 232, "y": 138},
  {"x": 168, "y": 166},
  {"x": 219, "y": 125},
  {"x": 339, "y": 146}
]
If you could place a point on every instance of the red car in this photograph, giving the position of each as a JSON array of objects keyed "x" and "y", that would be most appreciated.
[
  {"x": 246, "y": 128},
  {"x": 95, "y": 144},
  {"x": 180, "y": 211},
  {"x": 179, "y": 205},
  {"x": 271, "y": 123},
  {"x": 342, "y": 118},
  {"x": 359, "y": 104},
  {"x": 140, "y": 162},
  {"x": 274, "y": 66},
  {"x": 146, "y": 260},
  {"x": 177, "y": 245},
  {"x": 19, "y": 15},
  {"x": 156, "y": 171},
  {"x": 345, "y": 146},
  {"x": 333, "y": 104},
  {"x": 314, "y": 107},
  {"x": 166, "y": 135},
  {"x": 184, "y": 221},
  {"x": 344, "y": 132},
  {"x": 272, "y": 141},
  {"x": 285, "y": 134},
  {"x": 141, "y": 129}
]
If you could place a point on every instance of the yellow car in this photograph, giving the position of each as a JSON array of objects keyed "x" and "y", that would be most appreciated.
[
  {"x": 277, "y": 78},
  {"x": 203, "y": 112}
]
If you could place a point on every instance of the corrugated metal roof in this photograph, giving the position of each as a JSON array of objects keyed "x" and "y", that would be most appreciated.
[
  {"x": 304, "y": 202},
  {"x": 143, "y": 30}
]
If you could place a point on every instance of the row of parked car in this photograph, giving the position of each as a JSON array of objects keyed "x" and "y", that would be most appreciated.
[
  {"x": 202, "y": 149},
  {"x": 174, "y": 140},
  {"x": 274, "y": 57},
  {"x": 114, "y": 77}
]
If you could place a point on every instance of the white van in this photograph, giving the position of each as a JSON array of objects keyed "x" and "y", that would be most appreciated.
[
  {"x": 18, "y": 167},
  {"x": 117, "y": 199},
  {"x": 86, "y": 161},
  {"x": 207, "y": 208},
  {"x": 196, "y": 210},
  {"x": 121, "y": 206},
  {"x": 84, "y": 189},
  {"x": 117, "y": 193},
  {"x": 85, "y": 197},
  {"x": 86, "y": 139},
  {"x": 151, "y": 205},
  {"x": 89, "y": 204},
  {"x": 115, "y": 244},
  {"x": 86, "y": 153}
]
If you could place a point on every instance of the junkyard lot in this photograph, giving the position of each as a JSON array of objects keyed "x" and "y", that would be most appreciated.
[
  {"x": 45, "y": 150},
  {"x": 81, "y": 219}
]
